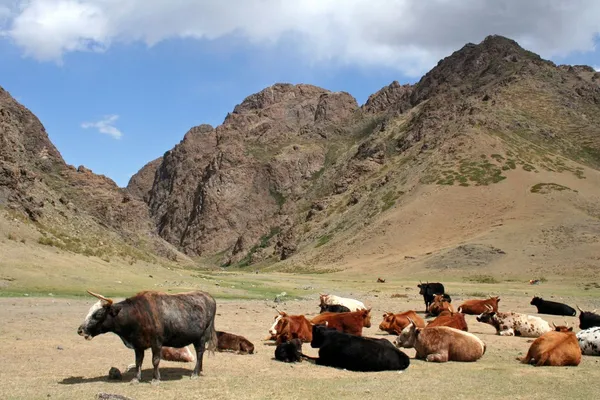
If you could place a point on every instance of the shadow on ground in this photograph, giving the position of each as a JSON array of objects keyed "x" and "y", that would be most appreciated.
[{"x": 166, "y": 374}]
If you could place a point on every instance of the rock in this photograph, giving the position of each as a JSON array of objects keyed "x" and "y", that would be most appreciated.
[
  {"x": 59, "y": 348},
  {"x": 115, "y": 374},
  {"x": 392, "y": 97},
  {"x": 111, "y": 396}
]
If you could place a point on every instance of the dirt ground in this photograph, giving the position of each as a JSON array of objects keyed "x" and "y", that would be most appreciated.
[{"x": 44, "y": 358}]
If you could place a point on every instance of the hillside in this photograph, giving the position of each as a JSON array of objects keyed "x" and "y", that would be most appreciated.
[{"x": 447, "y": 168}]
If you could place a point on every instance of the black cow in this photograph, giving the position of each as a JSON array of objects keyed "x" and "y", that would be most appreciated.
[
  {"x": 552, "y": 307},
  {"x": 334, "y": 308},
  {"x": 587, "y": 319},
  {"x": 429, "y": 290},
  {"x": 290, "y": 351},
  {"x": 152, "y": 320},
  {"x": 356, "y": 353}
]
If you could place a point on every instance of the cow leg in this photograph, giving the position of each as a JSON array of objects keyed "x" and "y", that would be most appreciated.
[
  {"x": 139, "y": 358},
  {"x": 199, "y": 346},
  {"x": 508, "y": 332},
  {"x": 437, "y": 357},
  {"x": 155, "y": 362}
]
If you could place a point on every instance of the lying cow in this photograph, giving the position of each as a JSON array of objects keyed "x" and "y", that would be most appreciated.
[
  {"x": 333, "y": 308},
  {"x": 589, "y": 341},
  {"x": 356, "y": 353},
  {"x": 441, "y": 344},
  {"x": 552, "y": 307},
  {"x": 289, "y": 327},
  {"x": 350, "y": 322},
  {"x": 476, "y": 307},
  {"x": 588, "y": 319},
  {"x": 230, "y": 342},
  {"x": 290, "y": 351},
  {"x": 557, "y": 348},
  {"x": 183, "y": 354},
  {"x": 514, "y": 324},
  {"x": 152, "y": 320},
  {"x": 331, "y": 300},
  {"x": 394, "y": 323},
  {"x": 439, "y": 304},
  {"x": 453, "y": 320}
]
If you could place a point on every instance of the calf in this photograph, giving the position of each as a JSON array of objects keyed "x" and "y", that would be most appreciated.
[
  {"x": 453, "y": 320},
  {"x": 441, "y": 344},
  {"x": 429, "y": 290},
  {"x": 476, "y": 307},
  {"x": 230, "y": 342},
  {"x": 153, "y": 320},
  {"x": 292, "y": 327},
  {"x": 394, "y": 323},
  {"x": 350, "y": 322},
  {"x": 589, "y": 341},
  {"x": 330, "y": 299},
  {"x": 439, "y": 304},
  {"x": 290, "y": 351},
  {"x": 514, "y": 324},
  {"x": 333, "y": 308},
  {"x": 356, "y": 353},
  {"x": 588, "y": 319},
  {"x": 183, "y": 354},
  {"x": 552, "y": 307},
  {"x": 557, "y": 348}
]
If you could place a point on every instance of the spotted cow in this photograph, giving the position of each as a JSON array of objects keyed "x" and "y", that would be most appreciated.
[
  {"x": 589, "y": 341},
  {"x": 514, "y": 324}
]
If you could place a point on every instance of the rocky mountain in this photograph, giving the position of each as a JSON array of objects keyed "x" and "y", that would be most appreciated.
[{"x": 295, "y": 166}]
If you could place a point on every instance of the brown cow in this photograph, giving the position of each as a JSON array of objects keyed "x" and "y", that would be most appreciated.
[
  {"x": 292, "y": 327},
  {"x": 453, "y": 320},
  {"x": 348, "y": 322},
  {"x": 182, "y": 354},
  {"x": 439, "y": 304},
  {"x": 441, "y": 344},
  {"x": 476, "y": 307},
  {"x": 229, "y": 341},
  {"x": 394, "y": 323},
  {"x": 557, "y": 348}
]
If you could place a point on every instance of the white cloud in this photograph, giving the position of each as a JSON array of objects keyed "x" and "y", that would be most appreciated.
[
  {"x": 597, "y": 68},
  {"x": 105, "y": 125},
  {"x": 410, "y": 35}
]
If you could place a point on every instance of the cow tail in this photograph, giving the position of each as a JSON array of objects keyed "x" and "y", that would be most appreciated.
[
  {"x": 309, "y": 357},
  {"x": 210, "y": 336}
]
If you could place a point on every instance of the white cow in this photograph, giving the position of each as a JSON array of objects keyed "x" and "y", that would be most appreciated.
[
  {"x": 331, "y": 299},
  {"x": 589, "y": 341},
  {"x": 515, "y": 324}
]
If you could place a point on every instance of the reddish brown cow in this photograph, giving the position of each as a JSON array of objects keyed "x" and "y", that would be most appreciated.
[
  {"x": 292, "y": 327},
  {"x": 348, "y": 322},
  {"x": 453, "y": 320},
  {"x": 439, "y": 304},
  {"x": 182, "y": 354},
  {"x": 557, "y": 348},
  {"x": 394, "y": 323},
  {"x": 230, "y": 342},
  {"x": 476, "y": 307}
]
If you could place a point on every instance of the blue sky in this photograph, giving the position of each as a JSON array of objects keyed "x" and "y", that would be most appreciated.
[{"x": 117, "y": 87}]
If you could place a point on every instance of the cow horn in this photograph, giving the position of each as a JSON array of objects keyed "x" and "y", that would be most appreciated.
[
  {"x": 553, "y": 324},
  {"x": 99, "y": 296},
  {"x": 489, "y": 307},
  {"x": 579, "y": 308}
]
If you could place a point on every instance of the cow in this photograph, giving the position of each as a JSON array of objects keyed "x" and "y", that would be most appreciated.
[
  {"x": 183, "y": 354},
  {"x": 552, "y": 307},
  {"x": 152, "y": 319},
  {"x": 356, "y": 353},
  {"x": 588, "y": 319},
  {"x": 330, "y": 299},
  {"x": 589, "y": 341},
  {"x": 290, "y": 327},
  {"x": 230, "y": 342},
  {"x": 439, "y": 304},
  {"x": 514, "y": 324},
  {"x": 453, "y": 320},
  {"x": 290, "y": 351},
  {"x": 441, "y": 344},
  {"x": 350, "y": 322},
  {"x": 333, "y": 308},
  {"x": 557, "y": 348},
  {"x": 394, "y": 323},
  {"x": 476, "y": 307},
  {"x": 429, "y": 290}
]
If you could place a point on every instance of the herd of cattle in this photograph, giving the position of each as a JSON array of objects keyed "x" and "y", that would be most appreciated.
[{"x": 168, "y": 323}]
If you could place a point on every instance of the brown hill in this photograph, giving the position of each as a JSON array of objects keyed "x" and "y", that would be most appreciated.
[{"x": 298, "y": 169}]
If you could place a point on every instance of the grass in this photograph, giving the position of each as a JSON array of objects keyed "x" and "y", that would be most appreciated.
[
  {"x": 389, "y": 199},
  {"x": 262, "y": 243},
  {"x": 279, "y": 197},
  {"x": 488, "y": 279},
  {"x": 323, "y": 240},
  {"x": 548, "y": 187}
]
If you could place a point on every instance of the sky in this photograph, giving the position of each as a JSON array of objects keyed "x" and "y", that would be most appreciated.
[{"x": 117, "y": 83}]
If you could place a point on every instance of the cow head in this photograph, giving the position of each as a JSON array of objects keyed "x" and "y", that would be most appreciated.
[
  {"x": 319, "y": 332},
  {"x": 423, "y": 287},
  {"x": 563, "y": 328},
  {"x": 100, "y": 317},
  {"x": 388, "y": 321},
  {"x": 273, "y": 329},
  {"x": 487, "y": 316},
  {"x": 366, "y": 315},
  {"x": 536, "y": 300},
  {"x": 408, "y": 336},
  {"x": 323, "y": 299}
]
